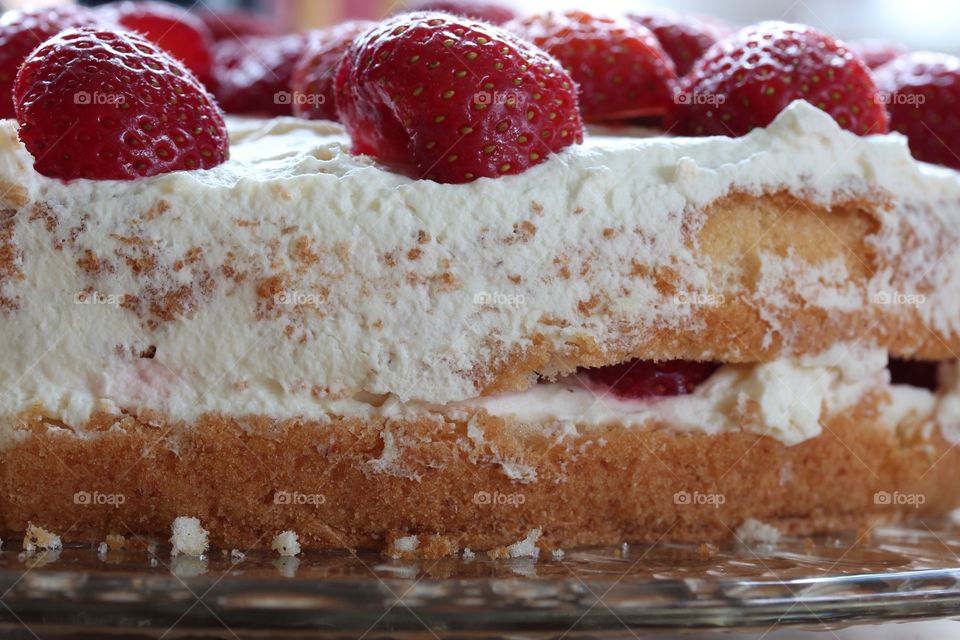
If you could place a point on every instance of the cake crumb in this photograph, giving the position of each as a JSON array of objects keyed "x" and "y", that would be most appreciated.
[
  {"x": 526, "y": 548},
  {"x": 287, "y": 544},
  {"x": 189, "y": 538},
  {"x": 403, "y": 547},
  {"x": 468, "y": 555},
  {"x": 37, "y": 538},
  {"x": 116, "y": 542},
  {"x": 752, "y": 530}
]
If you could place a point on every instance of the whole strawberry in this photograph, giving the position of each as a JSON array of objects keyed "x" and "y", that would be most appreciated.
[
  {"x": 182, "y": 34},
  {"x": 454, "y": 100},
  {"x": 745, "y": 81},
  {"x": 621, "y": 69},
  {"x": 253, "y": 75},
  {"x": 922, "y": 93},
  {"x": 22, "y": 31},
  {"x": 876, "y": 53},
  {"x": 111, "y": 105},
  {"x": 314, "y": 76},
  {"x": 486, "y": 10},
  {"x": 236, "y": 25},
  {"x": 684, "y": 37}
]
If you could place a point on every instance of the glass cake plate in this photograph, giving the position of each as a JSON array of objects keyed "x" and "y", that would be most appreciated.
[{"x": 885, "y": 574}]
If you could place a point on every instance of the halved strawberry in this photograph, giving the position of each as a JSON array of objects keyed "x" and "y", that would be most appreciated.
[
  {"x": 486, "y": 10},
  {"x": 745, "y": 81},
  {"x": 621, "y": 69},
  {"x": 922, "y": 94},
  {"x": 684, "y": 37},
  {"x": 22, "y": 31},
  {"x": 454, "y": 100},
  {"x": 314, "y": 75},
  {"x": 110, "y": 105},
  {"x": 638, "y": 379},
  {"x": 253, "y": 75},
  {"x": 182, "y": 34}
]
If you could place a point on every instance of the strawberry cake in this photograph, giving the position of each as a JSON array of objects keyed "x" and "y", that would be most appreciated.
[{"x": 448, "y": 314}]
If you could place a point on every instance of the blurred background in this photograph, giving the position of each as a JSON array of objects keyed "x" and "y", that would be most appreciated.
[{"x": 919, "y": 24}]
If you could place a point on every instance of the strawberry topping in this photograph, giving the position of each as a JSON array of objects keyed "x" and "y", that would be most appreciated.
[
  {"x": 745, "y": 81},
  {"x": 314, "y": 76},
  {"x": 182, "y": 34},
  {"x": 253, "y": 75},
  {"x": 492, "y": 12},
  {"x": 454, "y": 100},
  {"x": 235, "y": 25},
  {"x": 640, "y": 379},
  {"x": 876, "y": 53},
  {"x": 684, "y": 37},
  {"x": 622, "y": 70},
  {"x": 112, "y": 105},
  {"x": 922, "y": 91},
  {"x": 23, "y": 31}
]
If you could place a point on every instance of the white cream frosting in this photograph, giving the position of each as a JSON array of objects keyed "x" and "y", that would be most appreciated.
[{"x": 396, "y": 286}]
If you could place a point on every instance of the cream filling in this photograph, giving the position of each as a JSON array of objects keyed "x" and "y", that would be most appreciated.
[
  {"x": 788, "y": 399},
  {"x": 390, "y": 286}
]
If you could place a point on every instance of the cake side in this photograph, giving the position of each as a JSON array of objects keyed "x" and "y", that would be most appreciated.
[{"x": 359, "y": 483}]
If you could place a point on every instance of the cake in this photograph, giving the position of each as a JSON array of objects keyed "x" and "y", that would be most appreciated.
[{"x": 303, "y": 343}]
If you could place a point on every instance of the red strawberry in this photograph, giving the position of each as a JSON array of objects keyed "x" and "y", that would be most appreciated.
[
  {"x": 182, "y": 34},
  {"x": 492, "y": 12},
  {"x": 745, "y": 81},
  {"x": 22, "y": 31},
  {"x": 639, "y": 379},
  {"x": 622, "y": 70},
  {"x": 922, "y": 91},
  {"x": 253, "y": 75},
  {"x": 875, "y": 53},
  {"x": 925, "y": 375},
  {"x": 683, "y": 37},
  {"x": 314, "y": 76},
  {"x": 454, "y": 100},
  {"x": 236, "y": 25},
  {"x": 113, "y": 106}
]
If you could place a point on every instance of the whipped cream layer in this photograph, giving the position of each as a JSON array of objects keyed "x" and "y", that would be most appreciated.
[
  {"x": 297, "y": 279},
  {"x": 788, "y": 400}
]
